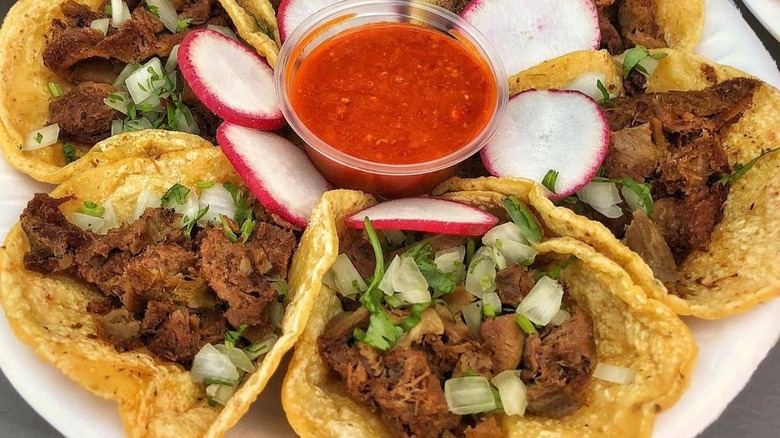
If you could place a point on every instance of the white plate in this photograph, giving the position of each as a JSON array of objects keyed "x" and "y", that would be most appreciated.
[
  {"x": 768, "y": 13},
  {"x": 725, "y": 363}
]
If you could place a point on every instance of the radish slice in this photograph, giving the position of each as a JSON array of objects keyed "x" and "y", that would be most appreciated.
[
  {"x": 555, "y": 129},
  {"x": 292, "y": 13},
  {"x": 278, "y": 172},
  {"x": 427, "y": 215},
  {"x": 230, "y": 79},
  {"x": 528, "y": 32}
]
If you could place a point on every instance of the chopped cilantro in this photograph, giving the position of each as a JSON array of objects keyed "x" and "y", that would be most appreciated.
[
  {"x": 414, "y": 316},
  {"x": 228, "y": 231},
  {"x": 741, "y": 169},
  {"x": 153, "y": 9},
  {"x": 244, "y": 215},
  {"x": 183, "y": 24},
  {"x": 38, "y": 137},
  {"x": 217, "y": 381},
  {"x": 204, "y": 184},
  {"x": 247, "y": 228},
  {"x": 642, "y": 190},
  {"x": 523, "y": 218},
  {"x": 55, "y": 89},
  {"x": 189, "y": 223},
  {"x": 131, "y": 111},
  {"x": 633, "y": 58},
  {"x": 438, "y": 280},
  {"x": 525, "y": 324},
  {"x": 175, "y": 196},
  {"x": 92, "y": 209},
  {"x": 470, "y": 248},
  {"x": 233, "y": 336},
  {"x": 382, "y": 332},
  {"x": 605, "y": 96},
  {"x": 107, "y": 10},
  {"x": 70, "y": 153},
  {"x": 549, "y": 180}
]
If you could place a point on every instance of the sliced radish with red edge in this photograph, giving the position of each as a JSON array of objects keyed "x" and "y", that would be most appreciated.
[
  {"x": 427, "y": 215},
  {"x": 560, "y": 130},
  {"x": 528, "y": 32},
  {"x": 230, "y": 79},
  {"x": 278, "y": 172},
  {"x": 294, "y": 12}
]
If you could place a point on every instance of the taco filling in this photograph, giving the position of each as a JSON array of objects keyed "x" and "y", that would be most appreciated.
[
  {"x": 625, "y": 24},
  {"x": 457, "y": 329},
  {"x": 195, "y": 280},
  {"x": 121, "y": 68}
]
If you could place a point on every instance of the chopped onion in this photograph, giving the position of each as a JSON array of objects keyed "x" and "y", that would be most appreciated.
[
  {"x": 256, "y": 350},
  {"x": 109, "y": 216},
  {"x": 614, "y": 373},
  {"x": 415, "y": 296},
  {"x": 237, "y": 356},
  {"x": 409, "y": 278},
  {"x": 41, "y": 138},
  {"x": 137, "y": 125},
  {"x": 173, "y": 59},
  {"x": 600, "y": 194},
  {"x": 469, "y": 395},
  {"x": 515, "y": 252},
  {"x": 220, "y": 393},
  {"x": 493, "y": 300},
  {"x": 211, "y": 364},
  {"x": 87, "y": 222},
  {"x": 119, "y": 12},
  {"x": 219, "y": 201},
  {"x": 185, "y": 122},
  {"x": 612, "y": 212},
  {"x": 542, "y": 302},
  {"x": 100, "y": 24},
  {"x": 118, "y": 101},
  {"x": 328, "y": 280},
  {"x": 189, "y": 209},
  {"x": 386, "y": 285},
  {"x": 276, "y": 312},
  {"x": 450, "y": 261},
  {"x": 347, "y": 278},
  {"x": 481, "y": 276},
  {"x": 586, "y": 84},
  {"x": 512, "y": 391},
  {"x": 472, "y": 315},
  {"x": 649, "y": 64},
  {"x": 166, "y": 13},
  {"x": 146, "y": 199},
  {"x": 508, "y": 232},
  {"x": 224, "y": 31},
  {"x": 560, "y": 317},
  {"x": 144, "y": 82},
  {"x": 117, "y": 127},
  {"x": 632, "y": 199},
  {"x": 119, "y": 83}
]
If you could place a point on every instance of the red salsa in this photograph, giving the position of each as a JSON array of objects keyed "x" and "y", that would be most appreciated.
[{"x": 394, "y": 93}]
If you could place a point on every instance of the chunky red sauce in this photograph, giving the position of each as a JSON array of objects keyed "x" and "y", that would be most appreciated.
[{"x": 394, "y": 93}]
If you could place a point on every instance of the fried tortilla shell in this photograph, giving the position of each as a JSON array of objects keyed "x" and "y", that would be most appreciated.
[
  {"x": 48, "y": 312},
  {"x": 255, "y": 21},
  {"x": 631, "y": 331},
  {"x": 559, "y": 72},
  {"x": 737, "y": 271},
  {"x": 681, "y": 22}
]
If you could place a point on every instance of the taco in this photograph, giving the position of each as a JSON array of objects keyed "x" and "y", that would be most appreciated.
[
  {"x": 65, "y": 67},
  {"x": 692, "y": 156},
  {"x": 476, "y": 353},
  {"x": 159, "y": 283}
]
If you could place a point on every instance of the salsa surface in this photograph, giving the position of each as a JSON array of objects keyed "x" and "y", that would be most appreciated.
[{"x": 394, "y": 93}]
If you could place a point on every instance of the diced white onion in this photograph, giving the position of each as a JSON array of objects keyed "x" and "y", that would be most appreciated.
[
  {"x": 586, "y": 84},
  {"x": 146, "y": 199},
  {"x": 600, "y": 194},
  {"x": 472, "y": 315},
  {"x": 276, "y": 313},
  {"x": 493, "y": 300},
  {"x": 120, "y": 12},
  {"x": 515, "y": 252},
  {"x": 614, "y": 373},
  {"x": 632, "y": 199},
  {"x": 119, "y": 83},
  {"x": 140, "y": 84},
  {"x": 409, "y": 278},
  {"x": 508, "y": 232},
  {"x": 210, "y": 363},
  {"x": 173, "y": 59},
  {"x": 219, "y": 201},
  {"x": 328, "y": 280},
  {"x": 560, "y": 317},
  {"x": 649, "y": 64},
  {"x": 256, "y": 350},
  {"x": 386, "y": 285},
  {"x": 109, "y": 217},
  {"x": 117, "y": 127},
  {"x": 512, "y": 391},
  {"x": 100, "y": 24},
  {"x": 118, "y": 101},
  {"x": 346, "y": 277},
  {"x": 415, "y": 296},
  {"x": 87, "y": 222},
  {"x": 481, "y": 276},
  {"x": 167, "y": 13},
  {"x": 185, "y": 122},
  {"x": 137, "y": 125},
  {"x": 612, "y": 212},
  {"x": 451, "y": 260},
  {"x": 224, "y": 31},
  {"x": 41, "y": 138},
  {"x": 189, "y": 209},
  {"x": 220, "y": 393},
  {"x": 237, "y": 356},
  {"x": 469, "y": 395},
  {"x": 542, "y": 302}
]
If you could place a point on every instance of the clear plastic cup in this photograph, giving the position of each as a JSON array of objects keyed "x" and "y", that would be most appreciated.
[{"x": 344, "y": 170}]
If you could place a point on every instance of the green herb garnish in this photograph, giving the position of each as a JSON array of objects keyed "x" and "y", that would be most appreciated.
[
  {"x": 228, "y": 231},
  {"x": 525, "y": 324},
  {"x": 70, "y": 153},
  {"x": 55, "y": 89},
  {"x": 204, "y": 184},
  {"x": 642, "y": 191},
  {"x": 233, "y": 336},
  {"x": 741, "y": 169},
  {"x": 549, "y": 180},
  {"x": 183, "y": 24},
  {"x": 92, "y": 209},
  {"x": 554, "y": 272},
  {"x": 189, "y": 223},
  {"x": 633, "y": 58},
  {"x": 522, "y": 217},
  {"x": 605, "y": 96},
  {"x": 174, "y": 196},
  {"x": 438, "y": 280}
]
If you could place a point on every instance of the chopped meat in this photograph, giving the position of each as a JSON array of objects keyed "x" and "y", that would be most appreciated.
[
  {"x": 355, "y": 245},
  {"x": 690, "y": 167},
  {"x": 610, "y": 37},
  {"x": 486, "y": 428},
  {"x": 82, "y": 114},
  {"x": 644, "y": 238},
  {"x": 635, "y": 83},
  {"x": 632, "y": 154},
  {"x": 504, "y": 340},
  {"x": 456, "y": 352},
  {"x": 181, "y": 334},
  {"x": 53, "y": 239},
  {"x": 639, "y": 25},
  {"x": 119, "y": 326},
  {"x": 430, "y": 324},
  {"x": 154, "y": 274},
  {"x": 559, "y": 362},
  {"x": 513, "y": 284}
]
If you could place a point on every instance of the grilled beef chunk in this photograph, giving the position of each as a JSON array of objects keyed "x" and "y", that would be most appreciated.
[
  {"x": 632, "y": 154},
  {"x": 154, "y": 279},
  {"x": 504, "y": 340},
  {"x": 82, "y": 115},
  {"x": 487, "y": 428},
  {"x": 513, "y": 284},
  {"x": 356, "y": 246},
  {"x": 559, "y": 362},
  {"x": 628, "y": 23}
]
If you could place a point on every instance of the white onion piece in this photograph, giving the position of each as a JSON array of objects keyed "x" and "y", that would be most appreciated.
[
  {"x": 347, "y": 279},
  {"x": 542, "y": 302},
  {"x": 185, "y": 122},
  {"x": 41, "y": 138},
  {"x": 119, "y": 83},
  {"x": 118, "y": 101},
  {"x": 396, "y": 237},
  {"x": 515, "y": 252},
  {"x": 508, "y": 240},
  {"x": 469, "y": 395},
  {"x": 167, "y": 13},
  {"x": 276, "y": 313},
  {"x": 586, "y": 84},
  {"x": 219, "y": 201},
  {"x": 481, "y": 275},
  {"x": 560, "y": 317},
  {"x": 137, "y": 125},
  {"x": 508, "y": 232},
  {"x": 117, "y": 127},
  {"x": 146, "y": 199},
  {"x": 612, "y": 212},
  {"x": 109, "y": 216},
  {"x": 100, "y": 24},
  {"x": 189, "y": 209},
  {"x": 649, "y": 64},
  {"x": 211, "y": 364},
  {"x": 451, "y": 261},
  {"x": 493, "y": 300},
  {"x": 409, "y": 278},
  {"x": 328, "y": 280},
  {"x": 512, "y": 391},
  {"x": 220, "y": 393},
  {"x": 173, "y": 59},
  {"x": 600, "y": 194},
  {"x": 256, "y": 350},
  {"x": 614, "y": 373},
  {"x": 472, "y": 316},
  {"x": 228, "y": 32},
  {"x": 415, "y": 296},
  {"x": 386, "y": 285},
  {"x": 87, "y": 222},
  {"x": 237, "y": 356},
  {"x": 632, "y": 199},
  {"x": 140, "y": 84},
  {"x": 120, "y": 12}
]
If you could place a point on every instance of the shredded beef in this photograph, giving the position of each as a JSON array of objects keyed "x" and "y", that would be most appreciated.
[
  {"x": 610, "y": 37},
  {"x": 355, "y": 245},
  {"x": 513, "y": 284},
  {"x": 639, "y": 25},
  {"x": 457, "y": 352},
  {"x": 82, "y": 115},
  {"x": 504, "y": 340},
  {"x": 632, "y": 154}
]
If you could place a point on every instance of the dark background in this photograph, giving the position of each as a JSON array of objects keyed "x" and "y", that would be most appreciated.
[{"x": 754, "y": 413}]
